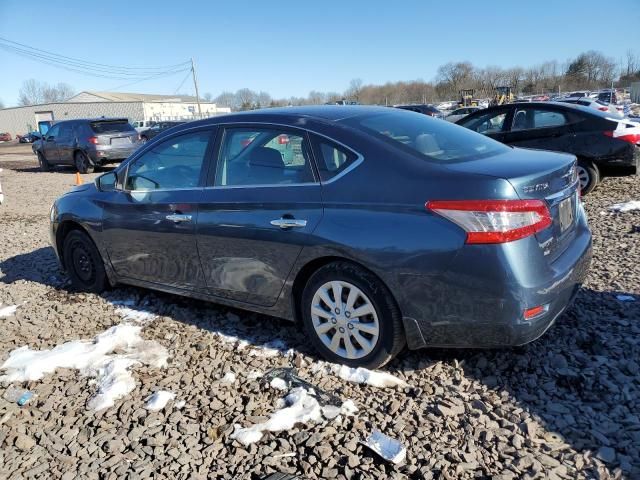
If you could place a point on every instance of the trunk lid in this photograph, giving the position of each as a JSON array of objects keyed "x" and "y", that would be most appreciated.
[
  {"x": 538, "y": 174},
  {"x": 117, "y": 133}
]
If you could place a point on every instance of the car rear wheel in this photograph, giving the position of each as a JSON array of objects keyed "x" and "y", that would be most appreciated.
[
  {"x": 588, "y": 176},
  {"x": 42, "y": 161},
  {"x": 351, "y": 317},
  {"x": 84, "y": 263},
  {"x": 143, "y": 139},
  {"x": 83, "y": 163}
]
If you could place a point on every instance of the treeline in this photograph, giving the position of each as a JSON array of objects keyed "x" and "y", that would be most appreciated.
[{"x": 588, "y": 71}]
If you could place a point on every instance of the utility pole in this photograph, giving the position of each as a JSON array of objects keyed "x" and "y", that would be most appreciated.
[{"x": 195, "y": 84}]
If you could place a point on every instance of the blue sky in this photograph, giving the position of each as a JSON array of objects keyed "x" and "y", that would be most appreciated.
[{"x": 291, "y": 47}]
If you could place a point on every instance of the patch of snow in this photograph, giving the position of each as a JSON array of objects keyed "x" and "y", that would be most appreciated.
[
  {"x": 257, "y": 349},
  {"x": 8, "y": 311},
  {"x": 229, "y": 377},
  {"x": 300, "y": 407},
  {"x": 180, "y": 404},
  {"x": 278, "y": 384},
  {"x": 137, "y": 316},
  {"x": 626, "y": 298},
  {"x": 95, "y": 358},
  {"x": 626, "y": 206},
  {"x": 254, "y": 374},
  {"x": 159, "y": 400},
  {"x": 388, "y": 448},
  {"x": 360, "y": 375}
]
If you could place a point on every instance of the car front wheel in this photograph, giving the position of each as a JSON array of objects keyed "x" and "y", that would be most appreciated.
[
  {"x": 42, "y": 161},
  {"x": 351, "y": 317},
  {"x": 84, "y": 263},
  {"x": 588, "y": 176}
]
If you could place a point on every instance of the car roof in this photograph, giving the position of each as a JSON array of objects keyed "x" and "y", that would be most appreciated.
[
  {"x": 322, "y": 113},
  {"x": 560, "y": 105}
]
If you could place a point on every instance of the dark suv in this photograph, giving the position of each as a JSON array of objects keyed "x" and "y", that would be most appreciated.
[{"x": 87, "y": 143}]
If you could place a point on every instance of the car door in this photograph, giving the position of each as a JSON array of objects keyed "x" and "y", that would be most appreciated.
[
  {"x": 149, "y": 223},
  {"x": 49, "y": 146},
  {"x": 261, "y": 208},
  {"x": 65, "y": 142},
  {"x": 492, "y": 123},
  {"x": 540, "y": 127}
]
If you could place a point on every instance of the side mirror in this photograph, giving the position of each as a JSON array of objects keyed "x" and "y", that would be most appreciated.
[{"x": 107, "y": 182}]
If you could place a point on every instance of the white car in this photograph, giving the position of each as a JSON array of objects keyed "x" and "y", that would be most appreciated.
[{"x": 461, "y": 113}]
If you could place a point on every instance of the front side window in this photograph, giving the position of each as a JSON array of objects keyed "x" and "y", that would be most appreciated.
[
  {"x": 527, "y": 119},
  {"x": 491, "y": 122},
  {"x": 172, "y": 164},
  {"x": 257, "y": 156},
  {"x": 431, "y": 138},
  {"x": 53, "y": 131}
]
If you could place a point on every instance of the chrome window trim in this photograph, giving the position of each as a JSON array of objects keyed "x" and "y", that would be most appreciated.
[{"x": 359, "y": 158}]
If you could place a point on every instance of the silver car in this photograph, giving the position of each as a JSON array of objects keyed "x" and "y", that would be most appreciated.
[
  {"x": 594, "y": 103},
  {"x": 461, "y": 113}
]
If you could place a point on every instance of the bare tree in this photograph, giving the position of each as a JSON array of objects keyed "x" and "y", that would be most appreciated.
[
  {"x": 1, "y": 105},
  {"x": 207, "y": 97},
  {"x": 263, "y": 99},
  {"x": 316, "y": 98},
  {"x": 354, "y": 90},
  {"x": 225, "y": 99},
  {"x": 34, "y": 92},
  {"x": 245, "y": 99}
]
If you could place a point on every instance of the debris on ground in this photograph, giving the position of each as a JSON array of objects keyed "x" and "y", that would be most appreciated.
[
  {"x": 302, "y": 407},
  {"x": 8, "y": 310},
  {"x": 24, "y": 398},
  {"x": 388, "y": 448},
  {"x": 93, "y": 358},
  {"x": 626, "y": 206},
  {"x": 159, "y": 400},
  {"x": 229, "y": 377}
]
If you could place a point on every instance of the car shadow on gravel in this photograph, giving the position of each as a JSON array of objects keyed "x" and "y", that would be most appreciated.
[
  {"x": 39, "y": 266},
  {"x": 580, "y": 381}
]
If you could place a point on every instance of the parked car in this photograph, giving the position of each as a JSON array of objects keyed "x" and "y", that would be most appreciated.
[
  {"x": 141, "y": 125},
  {"x": 461, "y": 113},
  {"x": 593, "y": 103},
  {"x": 373, "y": 227},
  {"x": 608, "y": 96},
  {"x": 87, "y": 143},
  {"x": 5, "y": 137},
  {"x": 603, "y": 145},
  {"x": 29, "y": 137},
  {"x": 149, "y": 133},
  {"x": 422, "y": 108}
]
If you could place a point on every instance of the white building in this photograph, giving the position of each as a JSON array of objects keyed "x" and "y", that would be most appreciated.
[{"x": 136, "y": 107}]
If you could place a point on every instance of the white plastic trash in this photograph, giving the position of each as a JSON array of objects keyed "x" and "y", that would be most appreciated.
[{"x": 387, "y": 447}]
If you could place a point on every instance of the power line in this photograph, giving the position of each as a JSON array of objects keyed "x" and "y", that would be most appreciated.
[
  {"x": 151, "y": 78},
  {"x": 183, "y": 80},
  {"x": 38, "y": 53}
]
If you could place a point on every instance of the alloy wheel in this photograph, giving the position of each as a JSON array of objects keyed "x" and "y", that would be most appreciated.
[
  {"x": 583, "y": 176},
  {"x": 345, "y": 320}
]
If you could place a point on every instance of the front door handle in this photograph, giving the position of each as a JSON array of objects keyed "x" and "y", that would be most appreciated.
[
  {"x": 178, "y": 218},
  {"x": 285, "y": 223}
]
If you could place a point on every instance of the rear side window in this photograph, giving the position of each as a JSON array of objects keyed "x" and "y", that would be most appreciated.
[
  {"x": 527, "y": 119},
  {"x": 111, "y": 127},
  {"x": 332, "y": 159},
  {"x": 432, "y": 139}
]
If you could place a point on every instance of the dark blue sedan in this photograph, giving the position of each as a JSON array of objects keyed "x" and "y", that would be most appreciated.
[{"x": 374, "y": 228}]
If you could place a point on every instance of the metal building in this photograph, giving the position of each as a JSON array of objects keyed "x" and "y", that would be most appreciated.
[{"x": 134, "y": 106}]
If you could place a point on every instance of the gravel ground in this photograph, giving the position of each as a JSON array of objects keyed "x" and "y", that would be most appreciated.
[{"x": 565, "y": 406}]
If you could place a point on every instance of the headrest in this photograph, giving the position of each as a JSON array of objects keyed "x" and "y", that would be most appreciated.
[{"x": 265, "y": 157}]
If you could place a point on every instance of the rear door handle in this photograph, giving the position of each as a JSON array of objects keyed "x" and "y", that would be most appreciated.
[
  {"x": 288, "y": 223},
  {"x": 178, "y": 218}
]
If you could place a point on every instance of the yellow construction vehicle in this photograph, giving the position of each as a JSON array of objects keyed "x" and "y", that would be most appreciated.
[
  {"x": 503, "y": 95},
  {"x": 466, "y": 98}
]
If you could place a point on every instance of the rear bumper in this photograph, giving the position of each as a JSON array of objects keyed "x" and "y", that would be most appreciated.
[
  {"x": 480, "y": 301},
  {"x": 628, "y": 163},
  {"x": 103, "y": 154}
]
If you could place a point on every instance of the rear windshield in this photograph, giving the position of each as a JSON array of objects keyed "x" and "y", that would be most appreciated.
[
  {"x": 431, "y": 138},
  {"x": 111, "y": 127}
]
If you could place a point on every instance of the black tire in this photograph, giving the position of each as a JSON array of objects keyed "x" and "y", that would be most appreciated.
[
  {"x": 587, "y": 170},
  {"x": 42, "y": 161},
  {"x": 83, "y": 263},
  {"x": 143, "y": 139},
  {"x": 391, "y": 337},
  {"x": 83, "y": 163}
]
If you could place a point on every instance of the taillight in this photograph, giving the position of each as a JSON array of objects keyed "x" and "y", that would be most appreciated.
[
  {"x": 630, "y": 137},
  {"x": 93, "y": 140},
  {"x": 603, "y": 109},
  {"x": 283, "y": 139},
  {"x": 494, "y": 221}
]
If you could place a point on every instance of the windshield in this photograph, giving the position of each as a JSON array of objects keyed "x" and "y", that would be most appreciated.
[
  {"x": 110, "y": 127},
  {"x": 431, "y": 138}
]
